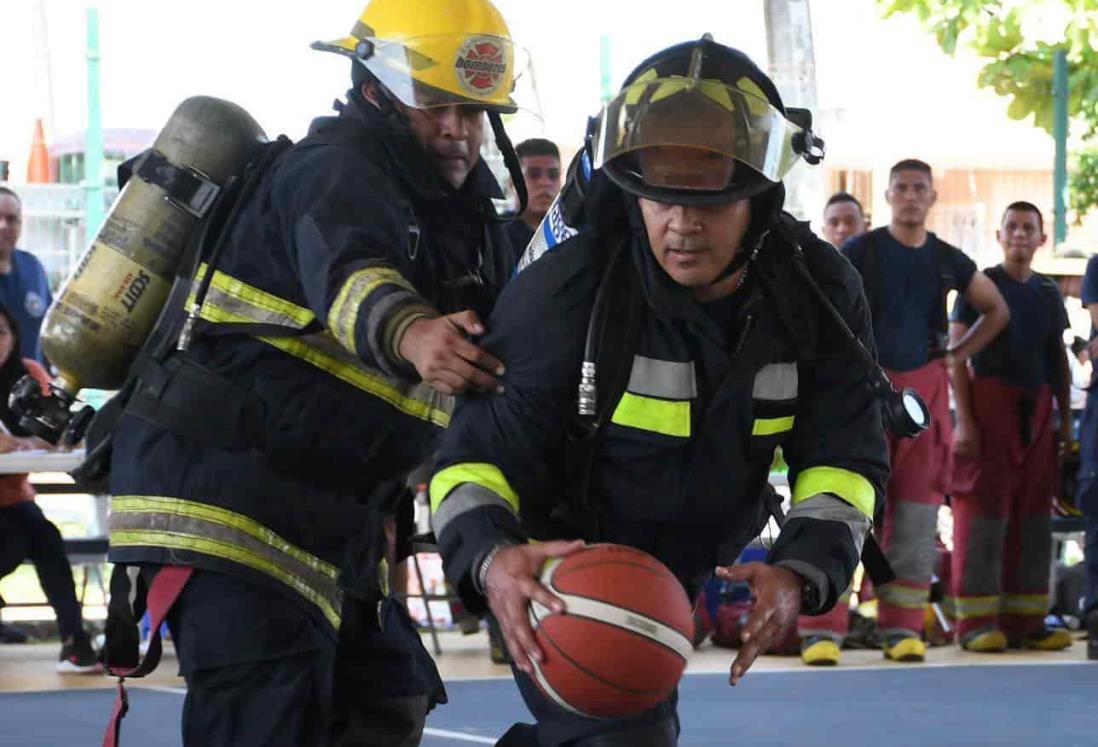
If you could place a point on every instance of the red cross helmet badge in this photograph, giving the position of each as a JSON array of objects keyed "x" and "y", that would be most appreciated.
[{"x": 481, "y": 65}]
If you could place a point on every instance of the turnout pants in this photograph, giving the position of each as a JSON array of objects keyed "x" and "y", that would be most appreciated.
[
  {"x": 921, "y": 468},
  {"x": 833, "y": 624},
  {"x": 1002, "y": 524},
  {"x": 258, "y": 667},
  {"x": 557, "y": 727}
]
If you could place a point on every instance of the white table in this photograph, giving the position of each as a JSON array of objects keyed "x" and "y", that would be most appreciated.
[{"x": 40, "y": 460}]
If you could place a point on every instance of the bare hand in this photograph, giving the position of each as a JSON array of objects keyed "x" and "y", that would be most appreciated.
[
  {"x": 966, "y": 441},
  {"x": 511, "y": 583},
  {"x": 777, "y": 594},
  {"x": 445, "y": 358}
]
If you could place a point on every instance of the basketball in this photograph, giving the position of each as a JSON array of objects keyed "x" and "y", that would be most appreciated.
[{"x": 621, "y": 646}]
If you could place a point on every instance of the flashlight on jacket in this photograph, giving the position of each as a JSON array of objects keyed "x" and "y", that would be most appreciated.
[{"x": 905, "y": 413}]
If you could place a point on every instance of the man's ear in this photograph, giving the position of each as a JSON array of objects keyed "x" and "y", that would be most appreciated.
[
  {"x": 371, "y": 93},
  {"x": 933, "y": 196}
]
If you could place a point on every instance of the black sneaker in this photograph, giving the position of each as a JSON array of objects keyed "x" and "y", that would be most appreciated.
[
  {"x": 78, "y": 657},
  {"x": 8, "y": 634}
]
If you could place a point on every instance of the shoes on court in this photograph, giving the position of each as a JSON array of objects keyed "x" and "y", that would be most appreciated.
[
  {"x": 1046, "y": 639},
  {"x": 78, "y": 656},
  {"x": 989, "y": 641},
  {"x": 820, "y": 651},
  {"x": 904, "y": 648}
]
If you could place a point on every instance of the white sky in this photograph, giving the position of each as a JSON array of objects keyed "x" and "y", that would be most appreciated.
[{"x": 885, "y": 89}]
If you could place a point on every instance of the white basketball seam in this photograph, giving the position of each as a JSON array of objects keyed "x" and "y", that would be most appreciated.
[
  {"x": 547, "y": 688},
  {"x": 634, "y": 622}
]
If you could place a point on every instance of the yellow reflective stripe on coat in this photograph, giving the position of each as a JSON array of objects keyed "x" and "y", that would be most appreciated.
[
  {"x": 850, "y": 486},
  {"x": 179, "y": 524},
  {"x": 418, "y": 400},
  {"x": 253, "y": 303},
  {"x": 671, "y": 418},
  {"x": 772, "y": 426},
  {"x": 343, "y": 316},
  {"x": 486, "y": 475}
]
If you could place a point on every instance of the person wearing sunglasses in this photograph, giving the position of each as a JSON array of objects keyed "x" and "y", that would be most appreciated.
[{"x": 540, "y": 162}]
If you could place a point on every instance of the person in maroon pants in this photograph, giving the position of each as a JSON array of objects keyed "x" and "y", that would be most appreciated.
[{"x": 1008, "y": 437}]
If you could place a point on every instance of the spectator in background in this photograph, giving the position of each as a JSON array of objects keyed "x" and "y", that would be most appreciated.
[
  {"x": 540, "y": 161},
  {"x": 25, "y": 532},
  {"x": 907, "y": 272},
  {"x": 844, "y": 219},
  {"x": 822, "y": 635},
  {"x": 1087, "y": 490},
  {"x": 24, "y": 287},
  {"x": 1006, "y": 444}
]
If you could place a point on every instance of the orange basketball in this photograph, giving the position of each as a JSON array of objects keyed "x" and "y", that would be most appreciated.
[{"x": 621, "y": 646}]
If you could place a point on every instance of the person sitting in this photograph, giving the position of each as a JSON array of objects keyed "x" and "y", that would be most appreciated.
[{"x": 25, "y": 532}]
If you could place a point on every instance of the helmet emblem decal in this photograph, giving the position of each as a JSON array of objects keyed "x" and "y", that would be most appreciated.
[{"x": 481, "y": 65}]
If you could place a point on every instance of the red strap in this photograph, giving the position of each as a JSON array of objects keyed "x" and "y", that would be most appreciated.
[{"x": 166, "y": 587}]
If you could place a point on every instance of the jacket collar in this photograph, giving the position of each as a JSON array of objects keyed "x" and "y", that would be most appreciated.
[{"x": 409, "y": 161}]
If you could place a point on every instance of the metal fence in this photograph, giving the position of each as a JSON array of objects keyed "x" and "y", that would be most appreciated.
[{"x": 53, "y": 225}]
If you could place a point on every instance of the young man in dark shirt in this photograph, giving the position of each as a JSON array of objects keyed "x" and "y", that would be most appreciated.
[
  {"x": 1006, "y": 452},
  {"x": 822, "y": 635},
  {"x": 540, "y": 162},
  {"x": 844, "y": 219},
  {"x": 907, "y": 271}
]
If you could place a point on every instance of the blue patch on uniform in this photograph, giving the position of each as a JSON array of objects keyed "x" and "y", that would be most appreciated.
[{"x": 34, "y": 304}]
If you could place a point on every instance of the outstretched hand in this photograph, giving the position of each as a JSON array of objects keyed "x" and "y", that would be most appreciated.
[
  {"x": 445, "y": 358},
  {"x": 777, "y": 593}
]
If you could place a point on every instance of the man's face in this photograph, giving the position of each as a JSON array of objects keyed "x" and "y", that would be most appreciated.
[
  {"x": 1020, "y": 235},
  {"x": 11, "y": 223},
  {"x": 910, "y": 194},
  {"x": 695, "y": 244},
  {"x": 451, "y": 135},
  {"x": 842, "y": 220},
  {"x": 542, "y": 177}
]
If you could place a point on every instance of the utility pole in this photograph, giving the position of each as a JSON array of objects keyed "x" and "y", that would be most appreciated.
[
  {"x": 1060, "y": 134},
  {"x": 792, "y": 64},
  {"x": 93, "y": 136},
  {"x": 604, "y": 67}
]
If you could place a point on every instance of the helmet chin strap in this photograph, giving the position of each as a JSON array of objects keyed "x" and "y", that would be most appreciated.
[{"x": 510, "y": 160}]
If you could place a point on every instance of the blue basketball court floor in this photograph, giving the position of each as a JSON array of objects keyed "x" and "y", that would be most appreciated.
[{"x": 955, "y": 699}]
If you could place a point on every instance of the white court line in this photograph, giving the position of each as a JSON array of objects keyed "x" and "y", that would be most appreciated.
[{"x": 458, "y": 735}]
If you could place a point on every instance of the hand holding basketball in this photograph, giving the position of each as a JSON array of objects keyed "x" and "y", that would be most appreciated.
[
  {"x": 777, "y": 593},
  {"x": 511, "y": 583}
]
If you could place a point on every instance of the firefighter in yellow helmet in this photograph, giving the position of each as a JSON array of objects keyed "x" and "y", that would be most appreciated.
[{"x": 343, "y": 312}]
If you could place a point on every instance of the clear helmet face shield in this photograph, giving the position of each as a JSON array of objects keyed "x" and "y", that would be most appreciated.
[
  {"x": 695, "y": 136},
  {"x": 425, "y": 72}
]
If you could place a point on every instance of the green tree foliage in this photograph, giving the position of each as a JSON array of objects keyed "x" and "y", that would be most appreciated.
[
  {"x": 1020, "y": 66},
  {"x": 1084, "y": 183}
]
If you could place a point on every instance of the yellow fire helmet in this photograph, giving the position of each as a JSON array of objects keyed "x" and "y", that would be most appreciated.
[{"x": 431, "y": 53}]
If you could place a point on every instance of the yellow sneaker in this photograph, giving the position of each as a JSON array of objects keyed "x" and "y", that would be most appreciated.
[
  {"x": 1047, "y": 639},
  {"x": 904, "y": 648},
  {"x": 818, "y": 651},
  {"x": 989, "y": 641}
]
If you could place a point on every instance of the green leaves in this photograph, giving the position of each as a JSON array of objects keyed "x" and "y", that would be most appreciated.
[
  {"x": 1021, "y": 68},
  {"x": 1083, "y": 183}
]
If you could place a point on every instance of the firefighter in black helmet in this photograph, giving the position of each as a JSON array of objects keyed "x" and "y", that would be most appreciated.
[
  {"x": 253, "y": 461},
  {"x": 681, "y": 287}
]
